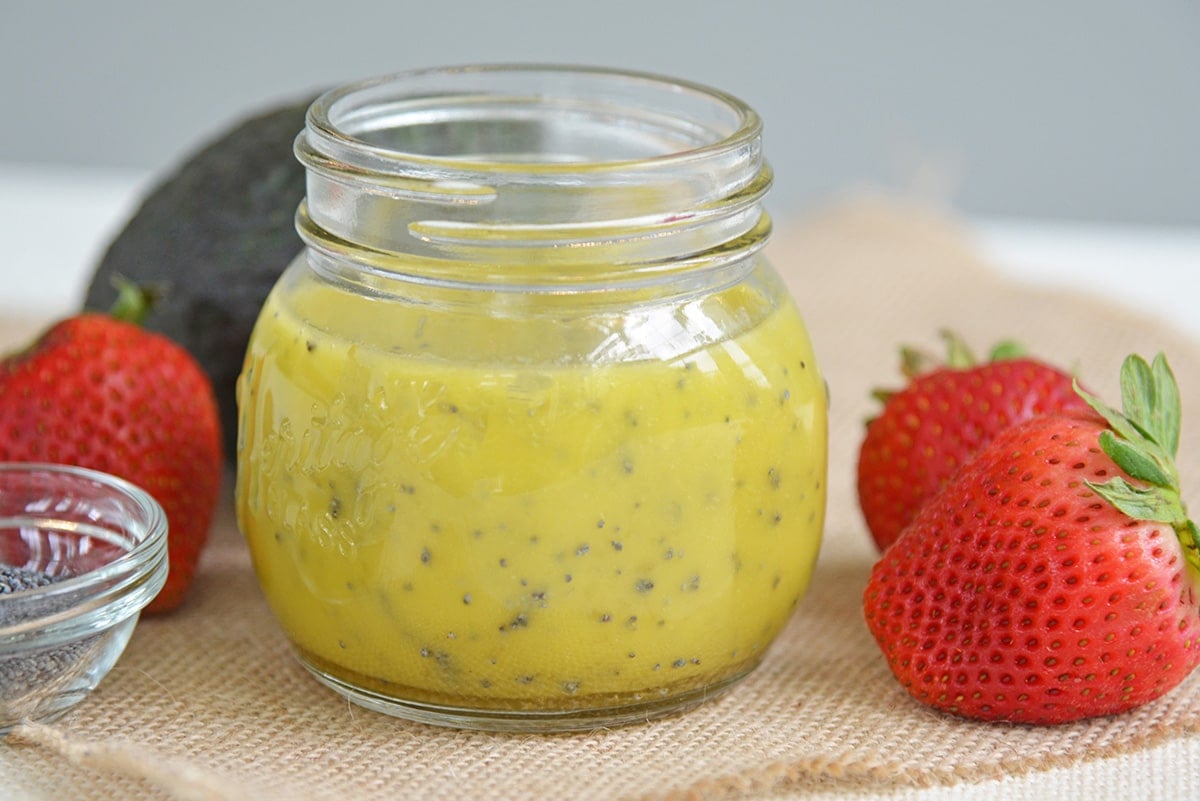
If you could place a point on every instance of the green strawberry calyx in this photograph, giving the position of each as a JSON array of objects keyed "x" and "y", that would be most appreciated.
[
  {"x": 134, "y": 301},
  {"x": 915, "y": 362},
  {"x": 1143, "y": 439}
]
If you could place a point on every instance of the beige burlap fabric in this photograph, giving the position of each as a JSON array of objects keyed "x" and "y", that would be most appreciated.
[{"x": 209, "y": 704}]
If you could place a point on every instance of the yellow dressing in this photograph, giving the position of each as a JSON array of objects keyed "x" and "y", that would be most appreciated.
[{"x": 435, "y": 518}]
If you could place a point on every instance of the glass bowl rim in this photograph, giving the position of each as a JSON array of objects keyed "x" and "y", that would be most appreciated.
[{"x": 113, "y": 580}]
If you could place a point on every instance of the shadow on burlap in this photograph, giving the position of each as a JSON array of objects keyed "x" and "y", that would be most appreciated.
[{"x": 209, "y": 704}]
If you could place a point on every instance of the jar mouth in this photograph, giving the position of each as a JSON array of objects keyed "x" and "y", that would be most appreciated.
[
  {"x": 546, "y": 119},
  {"x": 615, "y": 173}
]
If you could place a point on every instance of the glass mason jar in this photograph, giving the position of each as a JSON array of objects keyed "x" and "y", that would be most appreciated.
[{"x": 531, "y": 435}]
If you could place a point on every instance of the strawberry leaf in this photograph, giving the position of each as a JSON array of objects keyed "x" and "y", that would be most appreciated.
[
  {"x": 1137, "y": 391},
  {"x": 1006, "y": 350},
  {"x": 1150, "y": 398},
  {"x": 1138, "y": 462},
  {"x": 914, "y": 362},
  {"x": 1117, "y": 421},
  {"x": 1166, "y": 390},
  {"x": 1159, "y": 504},
  {"x": 134, "y": 300},
  {"x": 1136, "y": 440},
  {"x": 958, "y": 355}
]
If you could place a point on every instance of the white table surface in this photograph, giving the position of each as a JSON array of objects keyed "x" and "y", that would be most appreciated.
[{"x": 56, "y": 221}]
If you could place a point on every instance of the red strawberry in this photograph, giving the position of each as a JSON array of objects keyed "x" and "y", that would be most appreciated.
[
  {"x": 945, "y": 414},
  {"x": 1027, "y": 591},
  {"x": 99, "y": 392}
]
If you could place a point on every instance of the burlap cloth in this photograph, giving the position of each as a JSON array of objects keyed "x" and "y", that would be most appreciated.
[{"x": 209, "y": 703}]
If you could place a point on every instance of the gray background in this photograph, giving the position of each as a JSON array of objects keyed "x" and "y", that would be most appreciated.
[{"x": 1067, "y": 110}]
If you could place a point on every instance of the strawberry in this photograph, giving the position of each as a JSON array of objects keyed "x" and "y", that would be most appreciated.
[
  {"x": 945, "y": 414},
  {"x": 101, "y": 392},
  {"x": 1056, "y": 577}
]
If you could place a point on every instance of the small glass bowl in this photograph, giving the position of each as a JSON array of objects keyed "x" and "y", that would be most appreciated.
[{"x": 103, "y": 543}]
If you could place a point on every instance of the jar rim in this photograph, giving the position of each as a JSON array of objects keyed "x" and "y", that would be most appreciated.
[
  {"x": 333, "y": 116},
  {"x": 616, "y": 173}
]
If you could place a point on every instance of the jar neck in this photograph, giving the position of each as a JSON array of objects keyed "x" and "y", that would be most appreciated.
[{"x": 532, "y": 176}]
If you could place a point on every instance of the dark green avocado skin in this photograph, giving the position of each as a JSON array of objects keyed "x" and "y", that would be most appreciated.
[{"x": 214, "y": 236}]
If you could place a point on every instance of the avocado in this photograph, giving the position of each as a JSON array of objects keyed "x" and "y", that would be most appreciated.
[{"x": 212, "y": 238}]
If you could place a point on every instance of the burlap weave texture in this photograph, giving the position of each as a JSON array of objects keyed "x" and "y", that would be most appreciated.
[{"x": 209, "y": 702}]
